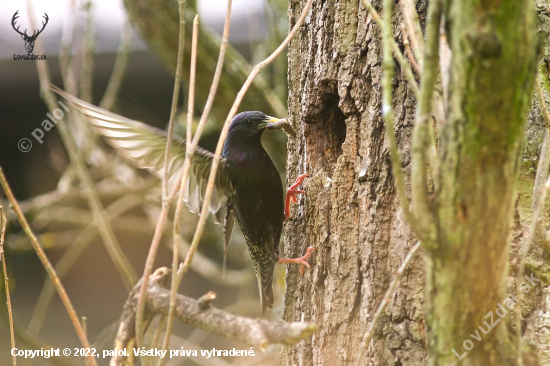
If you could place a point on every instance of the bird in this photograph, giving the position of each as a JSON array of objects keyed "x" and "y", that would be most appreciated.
[{"x": 247, "y": 182}]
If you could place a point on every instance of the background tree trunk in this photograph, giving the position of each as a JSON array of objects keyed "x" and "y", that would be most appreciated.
[
  {"x": 480, "y": 151},
  {"x": 161, "y": 34}
]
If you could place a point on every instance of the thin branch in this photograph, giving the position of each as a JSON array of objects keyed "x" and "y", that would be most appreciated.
[
  {"x": 6, "y": 284},
  {"x": 67, "y": 35},
  {"x": 387, "y": 114},
  {"x": 158, "y": 332},
  {"x": 179, "y": 206},
  {"x": 253, "y": 332},
  {"x": 205, "y": 300},
  {"x": 121, "y": 61},
  {"x": 544, "y": 158},
  {"x": 47, "y": 265},
  {"x": 385, "y": 301},
  {"x": 116, "y": 254},
  {"x": 542, "y": 104},
  {"x": 86, "y": 70},
  {"x": 444, "y": 70},
  {"x": 521, "y": 269},
  {"x": 413, "y": 30},
  {"x": 395, "y": 48},
  {"x": 421, "y": 140},
  {"x": 165, "y": 196},
  {"x": 433, "y": 158},
  {"x": 407, "y": 45}
]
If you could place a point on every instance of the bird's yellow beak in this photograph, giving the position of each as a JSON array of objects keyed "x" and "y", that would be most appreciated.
[{"x": 269, "y": 123}]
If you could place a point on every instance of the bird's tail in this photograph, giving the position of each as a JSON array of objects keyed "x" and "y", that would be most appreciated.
[{"x": 264, "y": 274}]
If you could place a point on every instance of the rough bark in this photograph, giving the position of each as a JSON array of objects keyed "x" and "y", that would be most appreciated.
[{"x": 350, "y": 212}]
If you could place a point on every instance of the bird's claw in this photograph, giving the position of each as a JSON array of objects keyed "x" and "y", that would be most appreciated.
[
  {"x": 292, "y": 192},
  {"x": 302, "y": 261}
]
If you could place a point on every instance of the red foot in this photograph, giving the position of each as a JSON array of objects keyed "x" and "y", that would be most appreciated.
[
  {"x": 301, "y": 261},
  {"x": 292, "y": 192}
]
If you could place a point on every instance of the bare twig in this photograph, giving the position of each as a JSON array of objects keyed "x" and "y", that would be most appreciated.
[
  {"x": 542, "y": 104},
  {"x": 158, "y": 332},
  {"x": 192, "y": 146},
  {"x": 6, "y": 284},
  {"x": 121, "y": 60},
  {"x": 67, "y": 35},
  {"x": 140, "y": 326},
  {"x": 47, "y": 265},
  {"x": 253, "y": 332},
  {"x": 205, "y": 300},
  {"x": 116, "y": 254},
  {"x": 385, "y": 301},
  {"x": 544, "y": 158},
  {"x": 421, "y": 141},
  {"x": 387, "y": 114},
  {"x": 413, "y": 30},
  {"x": 86, "y": 70},
  {"x": 179, "y": 206},
  {"x": 395, "y": 48},
  {"x": 444, "y": 68},
  {"x": 407, "y": 45},
  {"x": 433, "y": 158}
]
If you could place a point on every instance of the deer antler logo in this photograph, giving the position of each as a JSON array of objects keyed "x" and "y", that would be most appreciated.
[{"x": 29, "y": 40}]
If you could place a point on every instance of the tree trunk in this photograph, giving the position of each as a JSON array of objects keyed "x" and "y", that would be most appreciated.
[
  {"x": 491, "y": 81},
  {"x": 350, "y": 212}
]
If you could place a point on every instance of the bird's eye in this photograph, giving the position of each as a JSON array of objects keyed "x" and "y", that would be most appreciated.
[{"x": 249, "y": 122}]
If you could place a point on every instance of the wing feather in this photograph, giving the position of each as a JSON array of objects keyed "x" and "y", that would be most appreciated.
[{"x": 145, "y": 146}]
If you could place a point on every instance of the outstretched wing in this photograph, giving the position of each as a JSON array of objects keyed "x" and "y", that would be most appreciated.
[{"x": 145, "y": 146}]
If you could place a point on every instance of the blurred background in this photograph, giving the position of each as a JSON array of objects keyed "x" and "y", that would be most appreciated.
[{"x": 92, "y": 39}]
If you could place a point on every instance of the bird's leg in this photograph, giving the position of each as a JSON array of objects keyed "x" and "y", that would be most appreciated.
[
  {"x": 301, "y": 261},
  {"x": 292, "y": 192}
]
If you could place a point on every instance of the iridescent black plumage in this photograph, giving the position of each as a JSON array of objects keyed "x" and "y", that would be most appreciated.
[{"x": 256, "y": 196}]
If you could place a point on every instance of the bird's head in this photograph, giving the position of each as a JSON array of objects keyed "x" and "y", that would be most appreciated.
[{"x": 250, "y": 125}]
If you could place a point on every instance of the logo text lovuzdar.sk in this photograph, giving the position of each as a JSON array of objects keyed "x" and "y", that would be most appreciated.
[{"x": 29, "y": 39}]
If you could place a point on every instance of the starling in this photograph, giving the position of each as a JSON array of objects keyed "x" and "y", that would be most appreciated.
[{"x": 246, "y": 181}]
